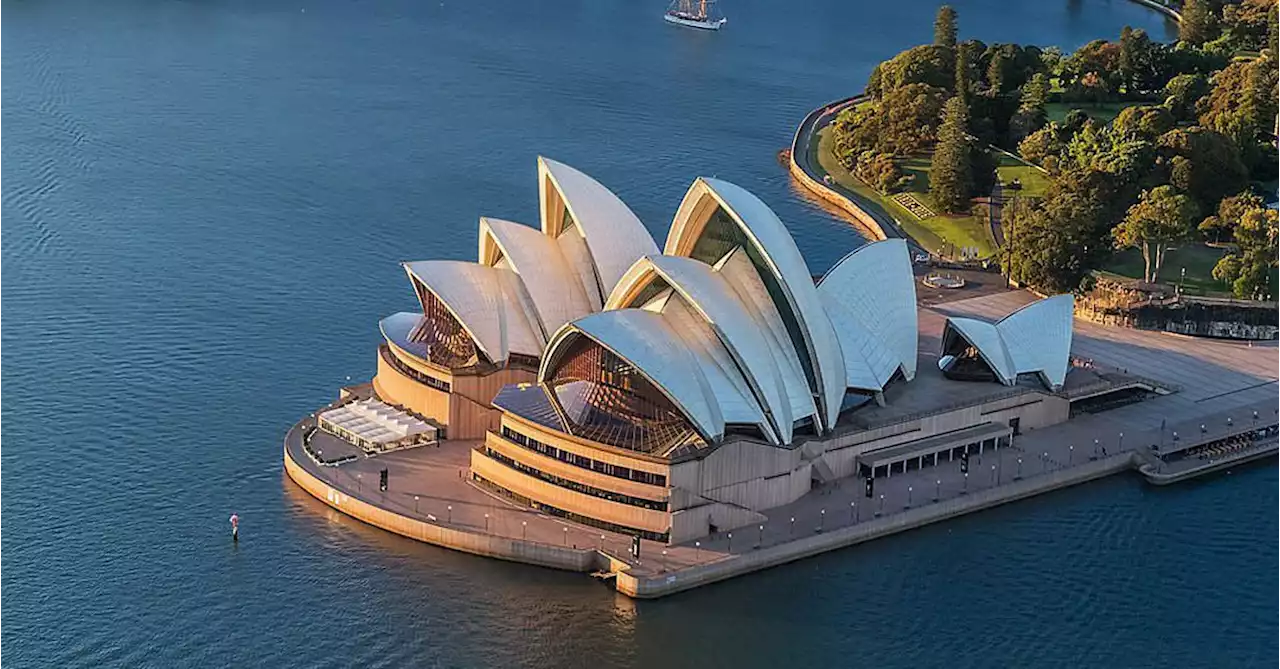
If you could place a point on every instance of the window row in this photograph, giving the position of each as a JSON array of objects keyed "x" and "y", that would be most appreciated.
[
  {"x": 567, "y": 515},
  {"x": 576, "y": 486},
  {"x": 606, "y": 468}
]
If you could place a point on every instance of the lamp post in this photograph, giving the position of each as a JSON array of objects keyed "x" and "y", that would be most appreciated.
[
  {"x": 793, "y": 526},
  {"x": 566, "y": 539},
  {"x": 486, "y": 522},
  {"x": 359, "y": 482},
  {"x": 853, "y": 508},
  {"x": 881, "y": 505},
  {"x": 760, "y": 541},
  {"x": 524, "y": 529},
  {"x": 415, "y": 503},
  {"x": 1182, "y": 279},
  {"x": 910, "y": 490},
  {"x": 1019, "y": 476},
  {"x": 1045, "y": 457},
  {"x": 1096, "y": 446},
  {"x": 450, "y": 516},
  {"x": 937, "y": 490},
  {"x": 1071, "y": 454},
  {"x": 663, "y": 567},
  {"x": 1120, "y": 443},
  {"x": 965, "y": 490},
  {"x": 822, "y": 516},
  {"x": 731, "y": 542},
  {"x": 697, "y": 551},
  {"x": 601, "y": 542}
]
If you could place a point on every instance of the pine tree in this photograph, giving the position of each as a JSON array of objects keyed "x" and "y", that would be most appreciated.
[
  {"x": 1198, "y": 24},
  {"x": 944, "y": 27},
  {"x": 1274, "y": 32},
  {"x": 962, "y": 72},
  {"x": 950, "y": 177},
  {"x": 995, "y": 73},
  {"x": 1127, "y": 65}
]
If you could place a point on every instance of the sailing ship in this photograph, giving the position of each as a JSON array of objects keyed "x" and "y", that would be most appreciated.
[{"x": 694, "y": 14}]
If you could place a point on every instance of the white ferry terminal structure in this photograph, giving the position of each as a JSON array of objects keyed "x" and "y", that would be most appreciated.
[{"x": 579, "y": 399}]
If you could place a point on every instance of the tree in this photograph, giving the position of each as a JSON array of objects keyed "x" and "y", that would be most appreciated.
[
  {"x": 881, "y": 171},
  {"x": 927, "y": 64},
  {"x": 910, "y": 118},
  {"x": 995, "y": 73},
  {"x": 1198, "y": 24},
  {"x": 1250, "y": 266},
  {"x": 1051, "y": 244},
  {"x": 1203, "y": 164},
  {"x": 1030, "y": 115},
  {"x": 1143, "y": 121},
  {"x": 1222, "y": 226},
  {"x": 944, "y": 28},
  {"x": 1274, "y": 32},
  {"x": 1181, "y": 94},
  {"x": 950, "y": 177},
  {"x": 962, "y": 73},
  {"x": 1042, "y": 144},
  {"x": 1242, "y": 106},
  {"x": 1161, "y": 218}
]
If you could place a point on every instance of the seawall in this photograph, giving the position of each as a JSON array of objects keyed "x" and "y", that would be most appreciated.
[
  {"x": 670, "y": 583},
  {"x": 801, "y": 166}
]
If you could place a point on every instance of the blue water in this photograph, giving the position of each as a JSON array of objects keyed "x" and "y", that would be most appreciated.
[{"x": 204, "y": 204}]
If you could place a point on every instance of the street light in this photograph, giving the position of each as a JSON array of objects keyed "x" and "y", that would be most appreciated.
[
  {"x": 697, "y": 551},
  {"x": 731, "y": 542},
  {"x": 881, "y": 505},
  {"x": 1071, "y": 454},
  {"x": 793, "y": 526},
  {"x": 760, "y": 542},
  {"x": 1045, "y": 457},
  {"x": 664, "y": 559},
  {"x": 853, "y": 508},
  {"x": 1120, "y": 445},
  {"x": 993, "y": 474},
  {"x": 486, "y": 522},
  {"x": 910, "y": 489},
  {"x": 601, "y": 542},
  {"x": 524, "y": 529},
  {"x": 450, "y": 516},
  {"x": 965, "y": 491},
  {"x": 822, "y": 516},
  {"x": 566, "y": 539},
  {"x": 359, "y": 482},
  {"x": 415, "y": 503},
  {"x": 937, "y": 490}
]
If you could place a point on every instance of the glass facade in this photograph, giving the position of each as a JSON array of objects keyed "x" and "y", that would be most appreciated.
[
  {"x": 618, "y": 471},
  {"x": 446, "y": 342},
  {"x": 574, "y": 485},
  {"x": 399, "y": 366},
  {"x": 722, "y": 235},
  {"x": 604, "y": 399}
]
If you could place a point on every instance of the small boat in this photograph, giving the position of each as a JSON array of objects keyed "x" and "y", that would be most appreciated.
[{"x": 694, "y": 14}]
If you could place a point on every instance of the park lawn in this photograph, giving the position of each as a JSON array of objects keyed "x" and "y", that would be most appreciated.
[
  {"x": 1198, "y": 258},
  {"x": 932, "y": 233},
  {"x": 909, "y": 223},
  {"x": 1101, "y": 111},
  {"x": 1034, "y": 181}
]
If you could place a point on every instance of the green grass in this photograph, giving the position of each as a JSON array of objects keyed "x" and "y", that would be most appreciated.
[
  {"x": 1034, "y": 181},
  {"x": 1102, "y": 111},
  {"x": 1197, "y": 258},
  {"x": 932, "y": 233}
]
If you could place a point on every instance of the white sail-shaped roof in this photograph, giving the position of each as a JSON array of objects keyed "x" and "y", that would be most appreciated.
[
  {"x": 552, "y": 283},
  {"x": 757, "y": 358},
  {"x": 870, "y": 296},
  {"x": 646, "y": 341},
  {"x": 614, "y": 237},
  {"x": 1038, "y": 338},
  {"x": 488, "y": 302},
  {"x": 774, "y": 252},
  {"x": 1035, "y": 339}
]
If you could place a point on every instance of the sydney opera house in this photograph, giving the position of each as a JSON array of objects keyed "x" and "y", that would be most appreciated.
[{"x": 668, "y": 394}]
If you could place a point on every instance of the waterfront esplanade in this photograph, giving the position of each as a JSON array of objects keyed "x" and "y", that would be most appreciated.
[{"x": 670, "y": 395}]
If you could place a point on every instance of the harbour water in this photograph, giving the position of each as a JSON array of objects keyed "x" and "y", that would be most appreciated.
[{"x": 204, "y": 204}]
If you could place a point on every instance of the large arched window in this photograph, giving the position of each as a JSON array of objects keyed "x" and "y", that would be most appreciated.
[
  {"x": 603, "y": 398},
  {"x": 442, "y": 338}
]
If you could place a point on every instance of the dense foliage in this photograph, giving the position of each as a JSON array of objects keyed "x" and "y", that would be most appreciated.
[{"x": 1193, "y": 132}]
